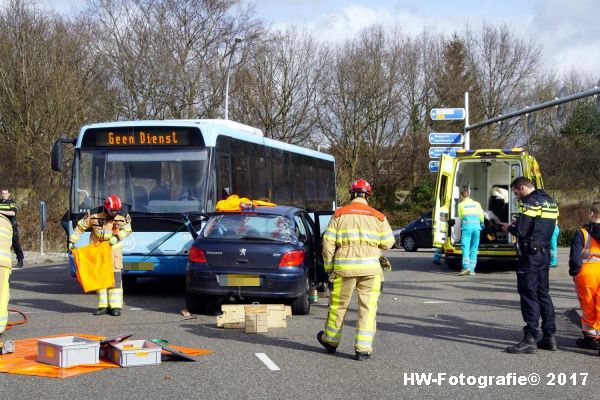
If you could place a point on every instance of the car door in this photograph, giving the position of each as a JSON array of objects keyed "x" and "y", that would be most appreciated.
[
  {"x": 318, "y": 273},
  {"x": 425, "y": 236}
]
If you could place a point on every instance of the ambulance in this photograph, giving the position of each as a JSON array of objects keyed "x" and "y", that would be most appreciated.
[{"x": 488, "y": 174}]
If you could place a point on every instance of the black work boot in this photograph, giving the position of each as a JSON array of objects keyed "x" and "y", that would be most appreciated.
[
  {"x": 360, "y": 356},
  {"x": 526, "y": 346},
  {"x": 548, "y": 342},
  {"x": 19, "y": 263},
  {"x": 115, "y": 312},
  {"x": 588, "y": 342},
  {"x": 330, "y": 349},
  {"x": 100, "y": 311}
]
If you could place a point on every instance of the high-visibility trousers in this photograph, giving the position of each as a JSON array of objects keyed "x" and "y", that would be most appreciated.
[
  {"x": 587, "y": 283},
  {"x": 112, "y": 297},
  {"x": 469, "y": 243},
  {"x": 368, "y": 289},
  {"x": 4, "y": 297}
]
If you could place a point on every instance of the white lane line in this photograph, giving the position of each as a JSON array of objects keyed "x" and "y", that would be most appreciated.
[
  {"x": 135, "y": 309},
  {"x": 57, "y": 268},
  {"x": 435, "y": 302},
  {"x": 267, "y": 361}
]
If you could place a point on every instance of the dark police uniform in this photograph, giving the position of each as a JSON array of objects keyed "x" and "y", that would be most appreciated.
[
  {"x": 10, "y": 205},
  {"x": 534, "y": 231}
]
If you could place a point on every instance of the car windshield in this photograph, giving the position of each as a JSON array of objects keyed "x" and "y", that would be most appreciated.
[{"x": 249, "y": 226}]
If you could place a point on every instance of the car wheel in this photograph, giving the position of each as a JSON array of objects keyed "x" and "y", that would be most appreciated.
[
  {"x": 301, "y": 305},
  {"x": 198, "y": 304},
  {"x": 128, "y": 282},
  {"x": 409, "y": 243},
  {"x": 397, "y": 242}
]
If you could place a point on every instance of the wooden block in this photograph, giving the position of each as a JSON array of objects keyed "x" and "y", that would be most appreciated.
[
  {"x": 234, "y": 315},
  {"x": 256, "y": 323}
]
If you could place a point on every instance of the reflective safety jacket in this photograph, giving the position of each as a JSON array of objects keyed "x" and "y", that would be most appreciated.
[
  {"x": 354, "y": 238},
  {"x": 5, "y": 242},
  {"x": 585, "y": 248},
  {"x": 537, "y": 219},
  {"x": 103, "y": 229},
  {"x": 9, "y": 205},
  {"x": 470, "y": 214}
]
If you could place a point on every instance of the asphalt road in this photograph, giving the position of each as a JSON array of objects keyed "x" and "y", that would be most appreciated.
[{"x": 430, "y": 321}]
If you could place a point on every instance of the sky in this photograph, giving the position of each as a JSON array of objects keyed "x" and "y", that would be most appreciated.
[{"x": 568, "y": 30}]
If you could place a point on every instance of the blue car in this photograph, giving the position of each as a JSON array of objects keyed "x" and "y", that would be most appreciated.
[{"x": 270, "y": 253}]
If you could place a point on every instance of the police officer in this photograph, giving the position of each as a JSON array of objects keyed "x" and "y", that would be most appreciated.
[
  {"x": 8, "y": 208},
  {"x": 352, "y": 247},
  {"x": 108, "y": 225},
  {"x": 533, "y": 230}
]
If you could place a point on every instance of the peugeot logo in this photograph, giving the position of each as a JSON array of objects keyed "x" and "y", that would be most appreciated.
[{"x": 242, "y": 252}]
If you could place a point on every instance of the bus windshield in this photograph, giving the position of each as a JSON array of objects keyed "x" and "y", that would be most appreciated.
[{"x": 156, "y": 182}]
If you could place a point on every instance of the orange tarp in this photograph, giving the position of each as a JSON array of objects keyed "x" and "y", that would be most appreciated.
[
  {"x": 23, "y": 360},
  {"x": 94, "y": 266}
]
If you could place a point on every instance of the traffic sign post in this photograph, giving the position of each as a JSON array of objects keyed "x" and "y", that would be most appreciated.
[
  {"x": 434, "y": 166},
  {"x": 436, "y": 152},
  {"x": 447, "y": 114},
  {"x": 446, "y": 138},
  {"x": 42, "y": 225}
]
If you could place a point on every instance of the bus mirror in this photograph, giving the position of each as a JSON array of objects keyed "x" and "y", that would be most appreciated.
[{"x": 57, "y": 155}]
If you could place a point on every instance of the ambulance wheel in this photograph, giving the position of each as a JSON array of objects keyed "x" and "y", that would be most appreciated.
[{"x": 453, "y": 263}]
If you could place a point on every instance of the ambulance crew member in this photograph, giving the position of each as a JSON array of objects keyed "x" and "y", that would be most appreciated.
[{"x": 471, "y": 221}]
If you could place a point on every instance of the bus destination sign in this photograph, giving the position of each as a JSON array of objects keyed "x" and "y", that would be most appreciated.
[{"x": 140, "y": 136}]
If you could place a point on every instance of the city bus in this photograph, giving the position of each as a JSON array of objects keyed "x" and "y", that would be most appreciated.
[{"x": 163, "y": 170}]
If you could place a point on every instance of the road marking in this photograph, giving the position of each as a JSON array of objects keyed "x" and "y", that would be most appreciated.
[
  {"x": 135, "y": 309},
  {"x": 267, "y": 361},
  {"x": 57, "y": 267},
  {"x": 435, "y": 302}
]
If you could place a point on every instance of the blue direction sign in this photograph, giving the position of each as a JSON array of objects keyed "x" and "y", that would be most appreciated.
[
  {"x": 436, "y": 152},
  {"x": 446, "y": 138},
  {"x": 441, "y": 114},
  {"x": 434, "y": 166}
]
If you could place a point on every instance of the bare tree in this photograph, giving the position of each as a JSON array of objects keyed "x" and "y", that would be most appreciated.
[
  {"x": 278, "y": 86},
  {"x": 504, "y": 68}
]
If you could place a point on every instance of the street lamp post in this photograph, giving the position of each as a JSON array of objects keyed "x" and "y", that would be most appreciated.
[{"x": 235, "y": 43}]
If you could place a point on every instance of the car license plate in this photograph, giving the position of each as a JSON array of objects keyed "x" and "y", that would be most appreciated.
[
  {"x": 239, "y": 280},
  {"x": 138, "y": 266}
]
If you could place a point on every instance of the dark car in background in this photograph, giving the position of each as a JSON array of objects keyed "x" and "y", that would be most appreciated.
[
  {"x": 271, "y": 253},
  {"x": 417, "y": 234}
]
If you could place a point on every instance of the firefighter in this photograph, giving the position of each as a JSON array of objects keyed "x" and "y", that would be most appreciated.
[
  {"x": 584, "y": 263},
  {"x": 471, "y": 221},
  {"x": 533, "y": 230},
  {"x": 6, "y": 235},
  {"x": 109, "y": 225},
  {"x": 352, "y": 246},
  {"x": 8, "y": 208}
]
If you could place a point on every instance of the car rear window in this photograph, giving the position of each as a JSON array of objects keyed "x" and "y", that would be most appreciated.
[{"x": 237, "y": 226}]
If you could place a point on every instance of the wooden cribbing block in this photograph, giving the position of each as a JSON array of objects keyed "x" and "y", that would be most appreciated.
[{"x": 234, "y": 315}]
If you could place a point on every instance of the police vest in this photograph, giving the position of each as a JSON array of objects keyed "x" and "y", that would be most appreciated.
[{"x": 591, "y": 249}]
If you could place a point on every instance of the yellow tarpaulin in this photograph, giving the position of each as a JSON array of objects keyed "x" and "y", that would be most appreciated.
[
  {"x": 94, "y": 266},
  {"x": 233, "y": 203},
  {"x": 24, "y": 360}
]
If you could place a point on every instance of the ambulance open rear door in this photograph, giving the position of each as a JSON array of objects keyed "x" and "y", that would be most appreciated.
[{"x": 443, "y": 199}]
